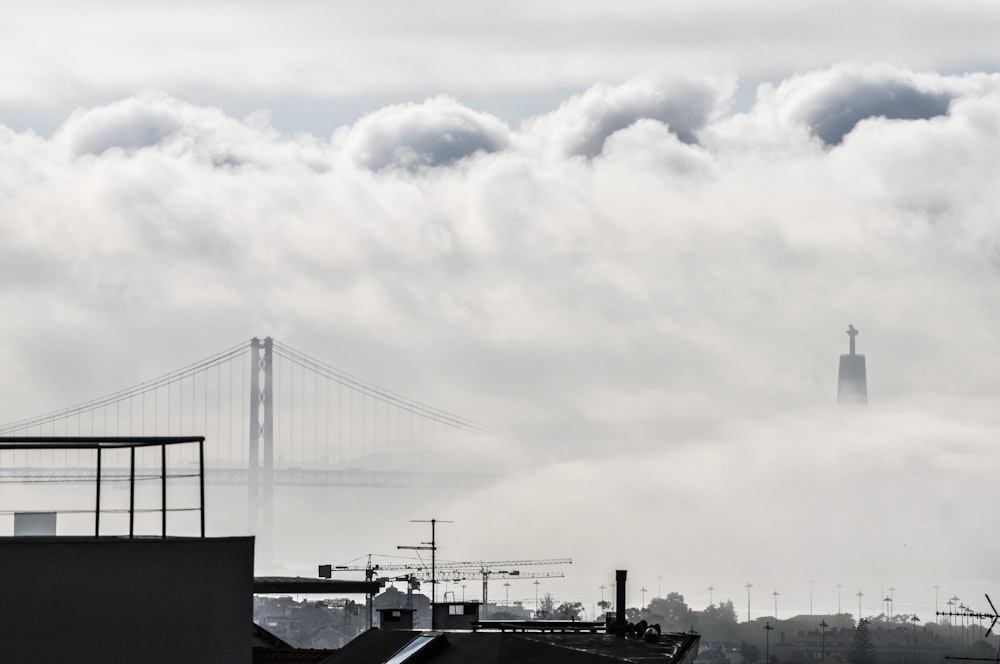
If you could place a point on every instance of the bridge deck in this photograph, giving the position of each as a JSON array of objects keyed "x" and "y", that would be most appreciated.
[{"x": 351, "y": 477}]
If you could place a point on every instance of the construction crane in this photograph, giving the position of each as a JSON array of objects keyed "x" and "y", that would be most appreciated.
[
  {"x": 488, "y": 569},
  {"x": 487, "y": 574},
  {"x": 326, "y": 572},
  {"x": 458, "y": 570}
]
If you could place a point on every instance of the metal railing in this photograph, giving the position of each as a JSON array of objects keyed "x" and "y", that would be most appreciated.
[{"x": 99, "y": 445}]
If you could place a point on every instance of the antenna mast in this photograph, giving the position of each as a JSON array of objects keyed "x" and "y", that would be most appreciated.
[{"x": 433, "y": 549}]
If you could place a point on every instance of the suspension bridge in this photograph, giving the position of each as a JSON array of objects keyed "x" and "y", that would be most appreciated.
[{"x": 272, "y": 416}]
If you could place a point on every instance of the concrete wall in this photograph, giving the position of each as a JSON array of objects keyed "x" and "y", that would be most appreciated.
[{"x": 85, "y": 599}]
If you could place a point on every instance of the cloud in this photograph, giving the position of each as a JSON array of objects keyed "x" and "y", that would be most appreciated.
[
  {"x": 340, "y": 62},
  {"x": 832, "y": 102},
  {"x": 159, "y": 121},
  {"x": 128, "y": 125},
  {"x": 583, "y": 123},
  {"x": 671, "y": 311},
  {"x": 437, "y": 132}
]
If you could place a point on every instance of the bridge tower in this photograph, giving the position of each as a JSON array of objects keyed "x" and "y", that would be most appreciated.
[{"x": 260, "y": 485}]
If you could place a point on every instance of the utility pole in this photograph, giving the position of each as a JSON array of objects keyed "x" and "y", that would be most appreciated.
[
  {"x": 749, "y": 586},
  {"x": 823, "y": 626},
  {"x": 433, "y": 549}
]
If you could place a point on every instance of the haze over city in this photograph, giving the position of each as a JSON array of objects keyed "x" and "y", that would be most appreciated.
[{"x": 627, "y": 239}]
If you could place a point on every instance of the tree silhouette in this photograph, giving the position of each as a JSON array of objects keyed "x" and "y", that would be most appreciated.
[
  {"x": 718, "y": 621},
  {"x": 749, "y": 652},
  {"x": 862, "y": 650},
  {"x": 672, "y": 612},
  {"x": 546, "y": 608},
  {"x": 568, "y": 611}
]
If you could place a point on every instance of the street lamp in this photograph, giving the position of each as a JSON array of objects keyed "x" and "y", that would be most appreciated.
[
  {"x": 749, "y": 586},
  {"x": 860, "y": 595},
  {"x": 839, "y": 586},
  {"x": 506, "y": 589},
  {"x": 643, "y": 591},
  {"x": 767, "y": 642},
  {"x": 537, "y": 583},
  {"x": 823, "y": 627},
  {"x": 710, "y": 589},
  {"x": 888, "y": 607}
]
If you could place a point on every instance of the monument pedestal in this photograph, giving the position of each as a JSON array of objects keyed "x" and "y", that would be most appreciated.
[{"x": 852, "y": 382}]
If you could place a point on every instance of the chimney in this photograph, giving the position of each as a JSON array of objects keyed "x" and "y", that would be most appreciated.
[{"x": 620, "y": 622}]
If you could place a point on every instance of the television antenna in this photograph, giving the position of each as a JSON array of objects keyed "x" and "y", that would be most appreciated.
[{"x": 994, "y": 617}]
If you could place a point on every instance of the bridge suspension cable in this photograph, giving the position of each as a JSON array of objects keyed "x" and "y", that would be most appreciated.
[
  {"x": 374, "y": 391},
  {"x": 128, "y": 393}
]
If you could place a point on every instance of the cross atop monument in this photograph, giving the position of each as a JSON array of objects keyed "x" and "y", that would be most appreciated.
[{"x": 851, "y": 332}]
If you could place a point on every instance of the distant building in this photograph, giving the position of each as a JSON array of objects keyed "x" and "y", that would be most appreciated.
[
  {"x": 852, "y": 380},
  {"x": 800, "y": 641}
]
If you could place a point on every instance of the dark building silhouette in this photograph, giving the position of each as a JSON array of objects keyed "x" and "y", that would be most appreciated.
[
  {"x": 852, "y": 380},
  {"x": 118, "y": 599}
]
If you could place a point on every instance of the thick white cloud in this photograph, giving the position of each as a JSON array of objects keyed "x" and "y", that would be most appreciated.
[
  {"x": 437, "y": 132},
  {"x": 670, "y": 311},
  {"x": 832, "y": 102},
  {"x": 156, "y": 120},
  {"x": 58, "y": 54},
  {"x": 582, "y": 124}
]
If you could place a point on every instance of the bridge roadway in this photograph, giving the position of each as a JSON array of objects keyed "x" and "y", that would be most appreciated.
[{"x": 349, "y": 477}]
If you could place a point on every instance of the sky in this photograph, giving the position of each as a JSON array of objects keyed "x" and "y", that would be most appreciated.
[{"x": 627, "y": 236}]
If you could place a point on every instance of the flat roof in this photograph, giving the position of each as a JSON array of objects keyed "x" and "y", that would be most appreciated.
[{"x": 91, "y": 442}]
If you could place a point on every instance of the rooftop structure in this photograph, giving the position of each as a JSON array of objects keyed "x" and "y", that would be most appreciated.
[
  {"x": 135, "y": 459},
  {"x": 501, "y": 641},
  {"x": 445, "y": 647},
  {"x": 124, "y": 596}
]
